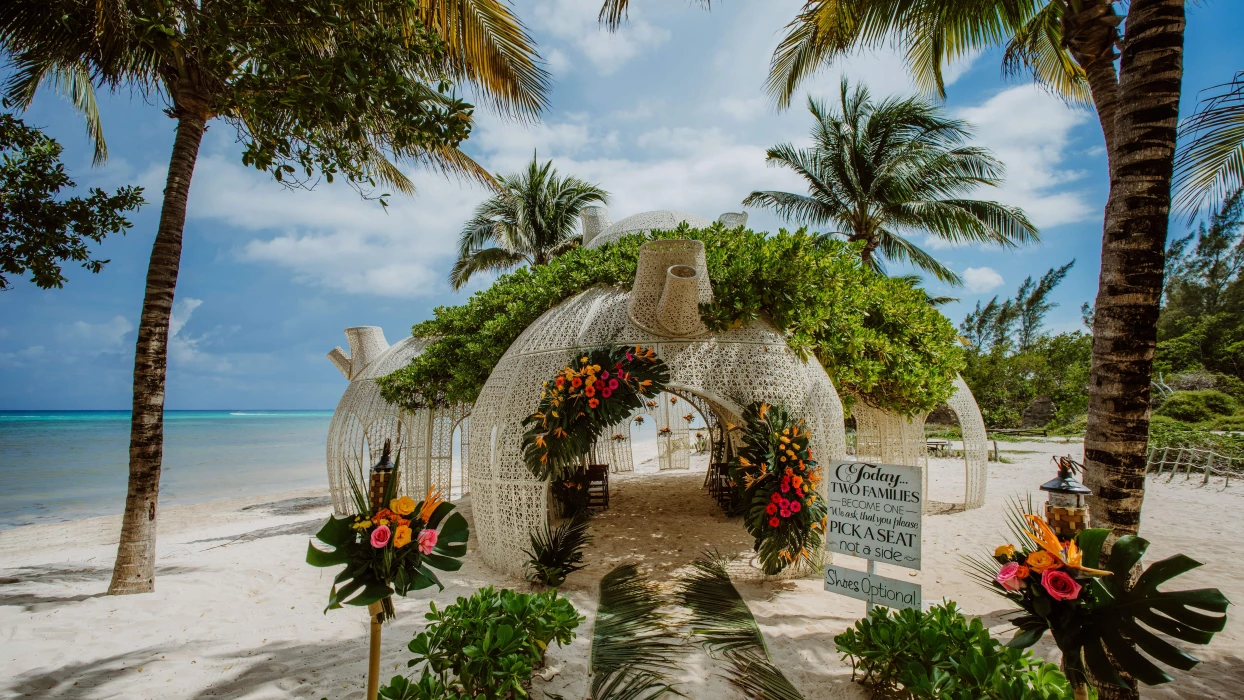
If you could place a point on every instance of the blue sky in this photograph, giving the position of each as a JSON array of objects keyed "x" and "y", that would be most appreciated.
[{"x": 669, "y": 113}]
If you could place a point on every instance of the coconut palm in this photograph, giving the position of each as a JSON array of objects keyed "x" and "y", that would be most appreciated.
[
  {"x": 314, "y": 87},
  {"x": 879, "y": 170},
  {"x": 533, "y": 217}
]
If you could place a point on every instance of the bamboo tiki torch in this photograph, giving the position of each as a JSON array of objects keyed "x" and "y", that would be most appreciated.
[{"x": 378, "y": 487}]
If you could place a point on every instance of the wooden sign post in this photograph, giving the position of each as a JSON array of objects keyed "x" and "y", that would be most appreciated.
[{"x": 875, "y": 512}]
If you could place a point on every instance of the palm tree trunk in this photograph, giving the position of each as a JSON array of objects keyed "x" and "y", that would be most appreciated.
[
  {"x": 134, "y": 571},
  {"x": 1090, "y": 35},
  {"x": 1130, "y": 285}
]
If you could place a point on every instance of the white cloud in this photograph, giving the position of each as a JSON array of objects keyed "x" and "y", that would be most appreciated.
[
  {"x": 1030, "y": 131},
  {"x": 23, "y": 358},
  {"x": 108, "y": 336},
  {"x": 557, "y": 61},
  {"x": 743, "y": 109},
  {"x": 183, "y": 349},
  {"x": 979, "y": 280},
  {"x": 575, "y": 22}
]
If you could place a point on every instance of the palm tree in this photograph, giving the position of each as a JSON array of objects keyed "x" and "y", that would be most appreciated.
[
  {"x": 532, "y": 218},
  {"x": 311, "y": 87},
  {"x": 877, "y": 170}
]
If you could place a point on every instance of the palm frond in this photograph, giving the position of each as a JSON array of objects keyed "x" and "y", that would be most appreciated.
[
  {"x": 896, "y": 247},
  {"x": 719, "y": 615},
  {"x": 488, "y": 45},
  {"x": 726, "y": 627},
  {"x": 1037, "y": 48},
  {"x": 614, "y": 13},
  {"x": 634, "y": 647},
  {"x": 759, "y": 678},
  {"x": 1211, "y": 162},
  {"x": 483, "y": 260}
]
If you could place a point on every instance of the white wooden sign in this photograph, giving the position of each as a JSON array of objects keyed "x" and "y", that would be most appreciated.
[
  {"x": 876, "y": 590},
  {"x": 874, "y": 511}
]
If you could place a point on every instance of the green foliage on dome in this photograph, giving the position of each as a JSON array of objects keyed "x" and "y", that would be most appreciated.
[{"x": 877, "y": 337}]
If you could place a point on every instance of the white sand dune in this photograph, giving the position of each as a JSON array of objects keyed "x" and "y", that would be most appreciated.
[{"x": 238, "y": 614}]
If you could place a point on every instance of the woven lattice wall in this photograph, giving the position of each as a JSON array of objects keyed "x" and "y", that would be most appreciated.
[
  {"x": 363, "y": 420},
  {"x": 890, "y": 438}
]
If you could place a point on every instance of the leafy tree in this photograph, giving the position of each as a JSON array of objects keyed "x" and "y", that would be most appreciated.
[
  {"x": 39, "y": 230},
  {"x": 331, "y": 88},
  {"x": 1032, "y": 304},
  {"x": 1011, "y": 359},
  {"x": 1202, "y": 322},
  {"x": 533, "y": 217},
  {"x": 878, "y": 168},
  {"x": 877, "y": 337}
]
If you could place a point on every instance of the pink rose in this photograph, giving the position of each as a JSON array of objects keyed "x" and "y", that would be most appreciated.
[
  {"x": 1008, "y": 577},
  {"x": 1059, "y": 585},
  {"x": 380, "y": 536},
  {"x": 427, "y": 540}
]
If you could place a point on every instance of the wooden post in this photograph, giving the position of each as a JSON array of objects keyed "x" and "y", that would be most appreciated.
[{"x": 373, "y": 658}]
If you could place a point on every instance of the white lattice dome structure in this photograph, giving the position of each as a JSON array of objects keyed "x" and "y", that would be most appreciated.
[
  {"x": 364, "y": 420},
  {"x": 721, "y": 371},
  {"x": 598, "y": 230},
  {"x": 889, "y": 438}
]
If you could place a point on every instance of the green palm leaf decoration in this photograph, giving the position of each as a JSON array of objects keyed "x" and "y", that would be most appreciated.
[
  {"x": 1123, "y": 621},
  {"x": 373, "y": 574},
  {"x": 721, "y": 619},
  {"x": 634, "y": 648}
]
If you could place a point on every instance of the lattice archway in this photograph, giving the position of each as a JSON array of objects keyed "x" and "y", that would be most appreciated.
[
  {"x": 363, "y": 420},
  {"x": 747, "y": 363},
  {"x": 890, "y": 438}
]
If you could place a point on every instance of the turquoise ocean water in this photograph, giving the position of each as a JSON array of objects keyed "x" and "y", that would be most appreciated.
[{"x": 65, "y": 465}]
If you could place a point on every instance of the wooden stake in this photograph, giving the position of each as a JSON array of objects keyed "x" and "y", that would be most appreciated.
[{"x": 373, "y": 659}]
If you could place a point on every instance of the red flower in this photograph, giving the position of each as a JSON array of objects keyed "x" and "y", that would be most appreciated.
[
  {"x": 777, "y": 497},
  {"x": 561, "y": 381},
  {"x": 784, "y": 513},
  {"x": 785, "y": 487},
  {"x": 592, "y": 403},
  {"x": 1059, "y": 585},
  {"x": 799, "y": 493},
  {"x": 613, "y": 384},
  {"x": 576, "y": 382},
  {"x": 606, "y": 392},
  {"x": 794, "y": 506},
  {"x": 604, "y": 375},
  {"x": 771, "y": 509},
  {"x": 774, "y": 522}
]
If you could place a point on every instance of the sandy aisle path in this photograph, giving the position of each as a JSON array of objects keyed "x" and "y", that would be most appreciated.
[{"x": 238, "y": 614}]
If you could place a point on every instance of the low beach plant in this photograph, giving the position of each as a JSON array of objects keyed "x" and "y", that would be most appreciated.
[
  {"x": 940, "y": 654},
  {"x": 485, "y": 647},
  {"x": 557, "y": 552}
]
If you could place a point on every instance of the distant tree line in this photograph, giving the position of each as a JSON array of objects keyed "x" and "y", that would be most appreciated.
[{"x": 1012, "y": 358}]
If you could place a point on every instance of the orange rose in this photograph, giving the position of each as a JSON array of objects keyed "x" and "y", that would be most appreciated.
[
  {"x": 1022, "y": 572},
  {"x": 1041, "y": 560},
  {"x": 402, "y": 537}
]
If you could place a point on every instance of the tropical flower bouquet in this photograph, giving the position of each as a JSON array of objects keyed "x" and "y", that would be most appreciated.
[
  {"x": 602, "y": 387},
  {"x": 777, "y": 481},
  {"x": 390, "y": 547},
  {"x": 1093, "y": 612}
]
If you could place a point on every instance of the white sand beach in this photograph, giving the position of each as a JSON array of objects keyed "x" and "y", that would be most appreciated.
[{"x": 238, "y": 614}]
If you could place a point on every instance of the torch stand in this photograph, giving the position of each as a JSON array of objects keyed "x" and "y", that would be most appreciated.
[{"x": 373, "y": 658}]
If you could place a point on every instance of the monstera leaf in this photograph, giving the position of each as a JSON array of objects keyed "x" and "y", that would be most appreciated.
[
  {"x": 366, "y": 579},
  {"x": 1122, "y": 621}
]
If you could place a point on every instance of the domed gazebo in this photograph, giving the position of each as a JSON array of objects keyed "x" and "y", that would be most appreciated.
[
  {"x": 364, "y": 420},
  {"x": 720, "y": 371}
]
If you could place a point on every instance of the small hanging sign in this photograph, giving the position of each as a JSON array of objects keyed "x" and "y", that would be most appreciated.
[{"x": 871, "y": 588}]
